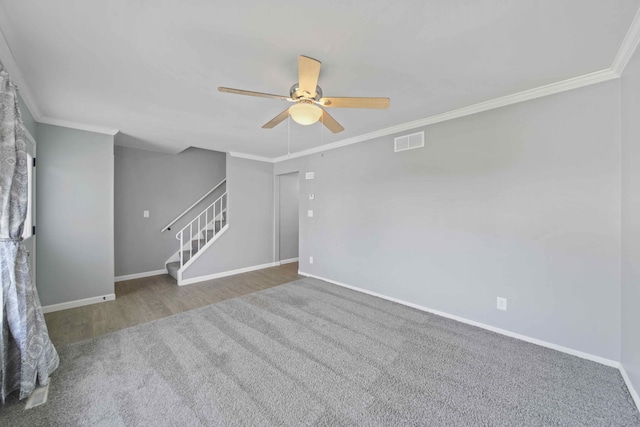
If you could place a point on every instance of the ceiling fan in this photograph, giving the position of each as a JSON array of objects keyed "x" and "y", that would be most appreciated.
[{"x": 307, "y": 98}]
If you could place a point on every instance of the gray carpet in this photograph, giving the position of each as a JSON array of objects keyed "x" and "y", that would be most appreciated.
[{"x": 311, "y": 353}]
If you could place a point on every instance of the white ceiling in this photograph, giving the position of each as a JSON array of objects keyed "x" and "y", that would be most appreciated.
[{"x": 151, "y": 68}]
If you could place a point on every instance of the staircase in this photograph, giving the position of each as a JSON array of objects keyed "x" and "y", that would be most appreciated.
[
  {"x": 198, "y": 235},
  {"x": 196, "y": 245}
]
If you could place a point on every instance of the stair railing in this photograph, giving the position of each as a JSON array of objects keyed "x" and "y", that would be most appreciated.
[
  {"x": 193, "y": 205},
  {"x": 215, "y": 214}
]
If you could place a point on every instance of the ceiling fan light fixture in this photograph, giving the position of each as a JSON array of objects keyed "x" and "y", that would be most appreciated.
[{"x": 305, "y": 113}]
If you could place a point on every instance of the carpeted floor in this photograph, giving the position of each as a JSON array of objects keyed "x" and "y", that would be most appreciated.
[{"x": 311, "y": 353}]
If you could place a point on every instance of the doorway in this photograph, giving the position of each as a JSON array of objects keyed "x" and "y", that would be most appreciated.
[
  {"x": 288, "y": 218},
  {"x": 28, "y": 233}
]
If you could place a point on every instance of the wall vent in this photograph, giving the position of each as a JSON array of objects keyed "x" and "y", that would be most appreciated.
[
  {"x": 408, "y": 142},
  {"x": 38, "y": 397}
]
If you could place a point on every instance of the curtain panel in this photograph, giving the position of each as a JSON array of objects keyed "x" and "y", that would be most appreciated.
[{"x": 27, "y": 356}]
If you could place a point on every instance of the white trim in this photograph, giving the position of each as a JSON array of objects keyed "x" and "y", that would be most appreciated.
[
  {"x": 626, "y": 50},
  {"x": 287, "y": 261},
  {"x": 624, "y": 54},
  {"x": 75, "y": 125},
  {"x": 9, "y": 61},
  {"x": 30, "y": 137},
  {"x": 139, "y": 275},
  {"x": 527, "y": 95},
  {"x": 78, "y": 303},
  {"x": 578, "y": 353},
  {"x": 632, "y": 390},
  {"x": 251, "y": 157},
  {"x": 224, "y": 274},
  {"x": 628, "y": 46},
  {"x": 275, "y": 252}
]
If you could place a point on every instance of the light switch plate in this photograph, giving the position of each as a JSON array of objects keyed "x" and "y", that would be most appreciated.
[
  {"x": 309, "y": 175},
  {"x": 146, "y": 214},
  {"x": 310, "y": 213},
  {"x": 312, "y": 196}
]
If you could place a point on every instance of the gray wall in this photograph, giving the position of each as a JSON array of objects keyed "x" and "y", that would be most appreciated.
[
  {"x": 27, "y": 117},
  {"x": 249, "y": 239},
  {"x": 165, "y": 185},
  {"x": 630, "y": 335},
  {"x": 521, "y": 202},
  {"x": 74, "y": 214},
  {"x": 288, "y": 213}
]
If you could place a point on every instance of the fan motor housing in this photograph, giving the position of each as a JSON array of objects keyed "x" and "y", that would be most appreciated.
[{"x": 296, "y": 93}]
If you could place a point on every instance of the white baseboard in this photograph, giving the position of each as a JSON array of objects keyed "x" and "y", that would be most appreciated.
[
  {"x": 578, "y": 353},
  {"x": 78, "y": 303},
  {"x": 632, "y": 390},
  {"x": 198, "y": 279},
  {"x": 286, "y": 261},
  {"x": 140, "y": 275}
]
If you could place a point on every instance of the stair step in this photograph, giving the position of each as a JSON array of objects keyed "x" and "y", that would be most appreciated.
[
  {"x": 209, "y": 233},
  {"x": 194, "y": 245},
  {"x": 172, "y": 269},
  {"x": 186, "y": 256}
]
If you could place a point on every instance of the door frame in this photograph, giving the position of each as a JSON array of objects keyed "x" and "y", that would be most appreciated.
[
  {"x": 31, "y": 143},
  {"x": 276, "y": 214}
]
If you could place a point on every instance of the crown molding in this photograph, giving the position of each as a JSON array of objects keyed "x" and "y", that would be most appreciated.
[
  {"x": 9, "y": 62},
  {"x": 251, "y": 157},
  {"x": 29, "y": 136},
  {"x": 628, "y": 46},
  {"x": 527, "y": 95},
  {"x": 624, "y": 54},
  {"x": 79, "y": 126}
]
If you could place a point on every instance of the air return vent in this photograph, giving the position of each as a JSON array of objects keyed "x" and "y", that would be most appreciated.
[
  {"x": 408, "y": 142},
  {"x": 38, "y": 397}
]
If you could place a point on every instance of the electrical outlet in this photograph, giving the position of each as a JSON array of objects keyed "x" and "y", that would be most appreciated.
[
  {"x": 309, "y": 175},
  {"x": 312, "y": 196},
  {"x": 310, "y": 260},
  {"x": 310, "y": 213},
  {"x": 501, "y": 304}
]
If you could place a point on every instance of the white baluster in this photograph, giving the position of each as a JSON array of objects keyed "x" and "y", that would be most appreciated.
[{"x": 217, "y": 208}]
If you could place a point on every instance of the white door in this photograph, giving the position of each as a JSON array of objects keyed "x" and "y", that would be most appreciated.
[{"x": 30, "y": 222}]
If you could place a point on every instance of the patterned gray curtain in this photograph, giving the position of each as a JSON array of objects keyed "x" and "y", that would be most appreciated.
[{"x": 27, "y": 355}]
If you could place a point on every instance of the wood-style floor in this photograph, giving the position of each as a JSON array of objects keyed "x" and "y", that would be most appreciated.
[{"x": 143, "y": 300}]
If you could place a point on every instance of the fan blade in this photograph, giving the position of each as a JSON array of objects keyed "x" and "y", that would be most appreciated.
[
  {"x": 250, "y": 93},
  {"x": 276, "y": 120},
  {"x": 308, "y": 74},
  {"x": 378, "y": 103},
  {"x": 331, "y": 123}
]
